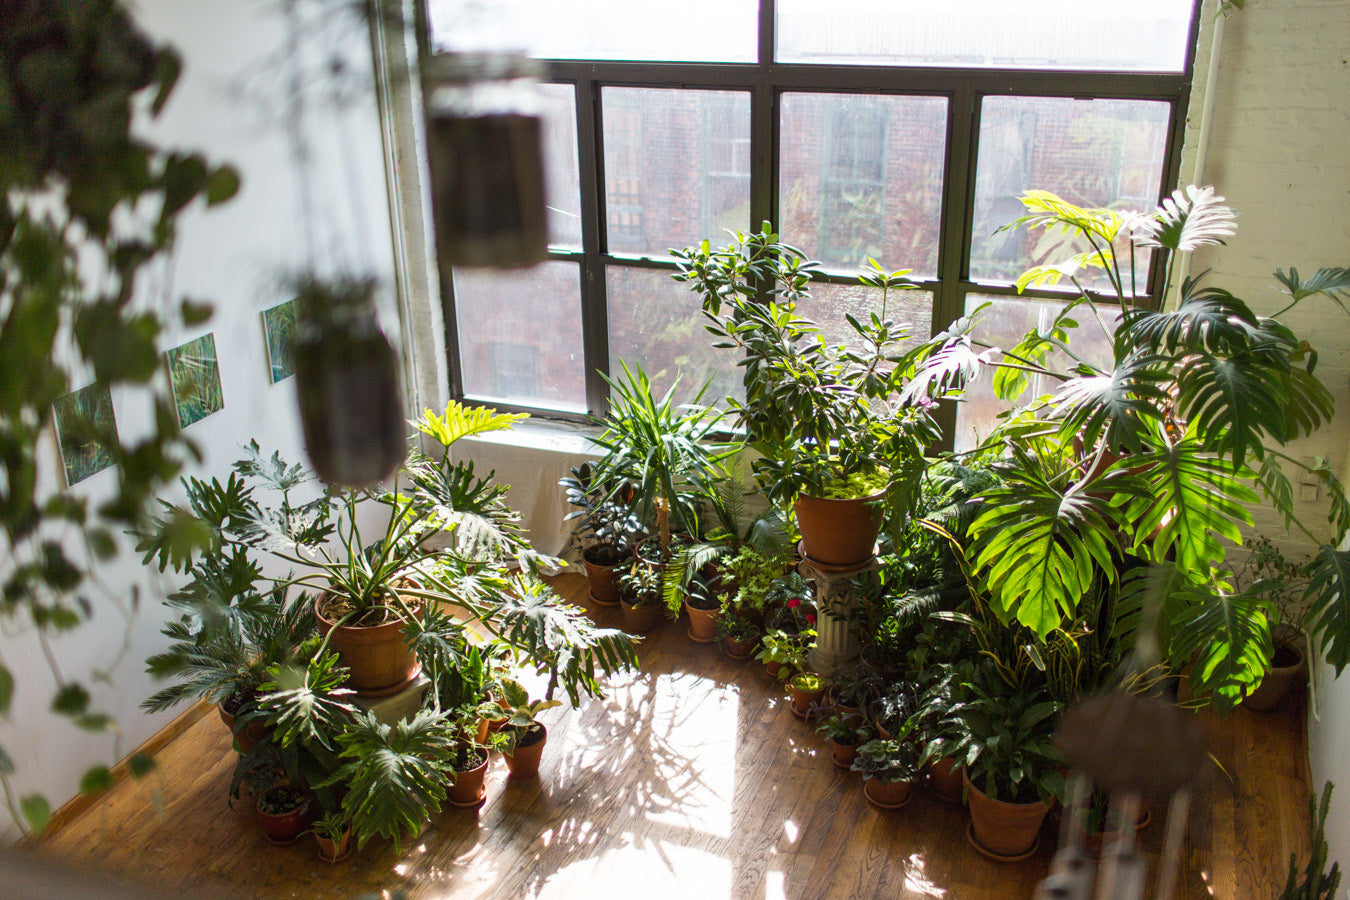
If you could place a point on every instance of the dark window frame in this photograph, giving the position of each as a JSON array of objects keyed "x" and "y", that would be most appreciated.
[{"x": 766, "y": 81}]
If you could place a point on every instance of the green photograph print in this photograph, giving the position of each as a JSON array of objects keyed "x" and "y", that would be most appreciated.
[
  {"x": 279, "y": 327},
  {"x": 194, "y": 376},
  {"x": 84, "y": 425}
]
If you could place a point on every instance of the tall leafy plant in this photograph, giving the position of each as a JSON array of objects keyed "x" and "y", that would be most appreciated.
[
  {"x": 1154, "y": 453},
  {"x": 827, "y": 419}
]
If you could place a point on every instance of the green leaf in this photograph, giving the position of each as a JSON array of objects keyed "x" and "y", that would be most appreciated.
[
  {"x": 1329, "y": 604},
  {"x": 36, "y": 812},
  {"x": 1042, "y": 546},
  {"x": 140, "y": 764},
  {"x": 6, "y": 690},
  {"x": 1227, "y": 638},
  {"x": 195, "y": 313},
  {"x": 96, "y": 780},
  {"x": 1192, "y": 507},
  {"x": 71, "y": 700},
  {"x": 221, "y": 185}
]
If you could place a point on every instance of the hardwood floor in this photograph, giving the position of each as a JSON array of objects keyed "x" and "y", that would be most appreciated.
[{"x": 691, "y": 779}]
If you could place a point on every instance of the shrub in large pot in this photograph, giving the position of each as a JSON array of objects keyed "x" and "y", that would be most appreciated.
[
  {"x": 1011, "y": 764},
  {"x": 824, "y": 416}
]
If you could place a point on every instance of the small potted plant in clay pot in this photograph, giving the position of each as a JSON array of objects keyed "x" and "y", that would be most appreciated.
[
  {"x": 640, "y": 589},
  {"x": 523, "y": 735},
  {"x": 806, "y": 690},
  {"x": 888, "y": 768},
  {"x": 739, "y": 634},
  {"x": 283, "y": 812},
  {"x": 846, "y": 735},
  {"x": 332, "y": 833}
]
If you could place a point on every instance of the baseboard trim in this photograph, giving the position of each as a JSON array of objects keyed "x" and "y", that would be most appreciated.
[{"x": 81, "y": 802}]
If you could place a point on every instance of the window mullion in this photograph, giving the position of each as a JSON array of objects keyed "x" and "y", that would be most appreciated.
[{"x": 594, "y": 308}]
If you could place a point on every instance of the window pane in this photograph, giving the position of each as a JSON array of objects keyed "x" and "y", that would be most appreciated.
[
  {"x": 862, "y": 176},
  {"x": 561, "y": 169},
  {"x": 658, "y": 322},
  {"x": 829, "y": 303},
  {"x": 698, "y": 31},
  {"x": 1098, "y": 153},
  {"x": 1002, "y": 324},
  {"x": 1141, "y": 36},
  {"x": 677, "y": 167},
  {"x": 520, "y": 335}
]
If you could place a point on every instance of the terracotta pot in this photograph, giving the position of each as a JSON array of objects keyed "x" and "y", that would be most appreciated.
[
  {"x": 737, "y": 649},
  {"x": 843, "y": 710},
  {"x": 334, "y": 851},
  {"x": 1003, "y": 830},
  {"x": 838, "y": 532},
  {"x": 250, "y": 737},
  {"x": 380, "y": 663},
  {"x": 946, "y": 779},
  {"x": 773, "y": 669},
  {"x": 524, "y": 761},
  {"x": 603, "y": 579},
  {"x": 642, "y": 619},
  {"x": 1280, "y": 681},
  {"x": 468, "y": 789},
  {"x": 282, "y": 828},
  {"x": 843, "y": 755},
  {"x": 802, "y": 701},
  {"x": 887, "y": 794},
  {"x": 702, "y": 624}
]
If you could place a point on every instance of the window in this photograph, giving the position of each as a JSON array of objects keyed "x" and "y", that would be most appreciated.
[{"x": 855, "y": 130}]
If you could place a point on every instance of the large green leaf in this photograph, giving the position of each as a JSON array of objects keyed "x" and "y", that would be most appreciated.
[
  {"x": 1328, "y": 600},
  {"x": 1208, "y": 320},
  {"x": 1040, "y": 548},
  {"x": 1235, "y": 403},
  {"x": 1192, "y": 507},
  {"x": 1225, "y": 637},
  {"x": 1189, "y": 219},
  {"x": 1119, "y": 408}
]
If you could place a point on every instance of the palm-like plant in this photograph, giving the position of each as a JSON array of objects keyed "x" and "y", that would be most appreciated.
[
  {"x": 1154, "y": 454},
  {"x": 660, "y": 452}
]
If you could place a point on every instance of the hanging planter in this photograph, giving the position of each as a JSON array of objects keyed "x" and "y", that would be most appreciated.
[
  {"x": 485, "y": 157},
  {"x": 347, "y": 382}
]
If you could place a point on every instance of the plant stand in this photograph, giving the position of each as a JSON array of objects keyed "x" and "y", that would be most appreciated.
[{"x": 835, "y": 595}]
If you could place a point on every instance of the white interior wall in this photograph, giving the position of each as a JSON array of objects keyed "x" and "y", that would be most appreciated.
[
  {"x": 231, "y": 104},
  {"x": 1280, "y": 122}
]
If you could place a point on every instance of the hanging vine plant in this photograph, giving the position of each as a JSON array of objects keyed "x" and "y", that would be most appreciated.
[{"x": 78, "y": 185}]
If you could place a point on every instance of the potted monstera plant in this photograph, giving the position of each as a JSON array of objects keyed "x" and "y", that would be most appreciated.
[
  {"x": 1153, "y": 454},
  {"x": 834, "y": 443}
]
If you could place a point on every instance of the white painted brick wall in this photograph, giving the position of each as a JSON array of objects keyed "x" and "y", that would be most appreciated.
[{"x": 1279, "y": 150}]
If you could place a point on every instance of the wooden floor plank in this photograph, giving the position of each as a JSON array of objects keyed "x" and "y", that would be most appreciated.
[{"x": 690, "y": 780}]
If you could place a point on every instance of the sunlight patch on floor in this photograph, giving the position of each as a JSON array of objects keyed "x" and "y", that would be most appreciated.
[{"x": 916, "y": 879}]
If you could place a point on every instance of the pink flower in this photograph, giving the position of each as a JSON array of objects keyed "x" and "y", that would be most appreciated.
[
  {"x": 794, "y": 603},
  {"x": 810, "y": 618}
]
